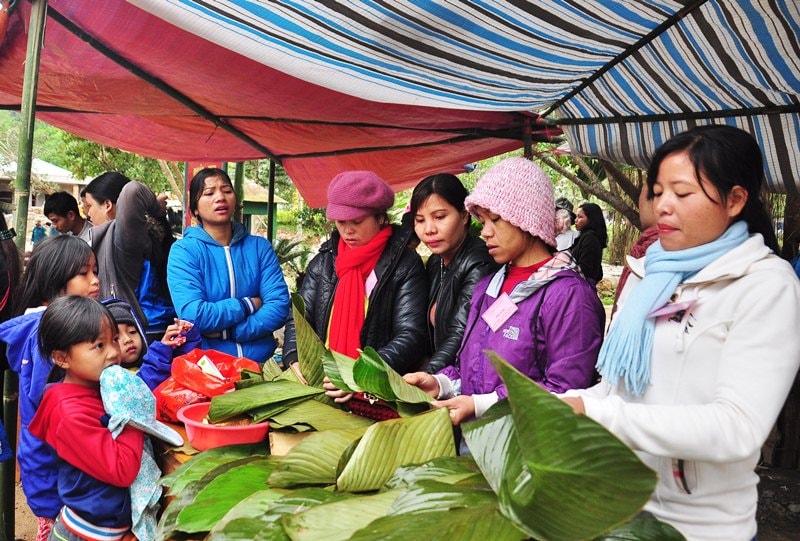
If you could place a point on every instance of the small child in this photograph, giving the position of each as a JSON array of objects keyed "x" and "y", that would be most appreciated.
[
  {"x": 156, "y": 361},
  {"x": 95, "y": 470}
]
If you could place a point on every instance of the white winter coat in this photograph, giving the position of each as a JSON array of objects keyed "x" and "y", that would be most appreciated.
[{"x": 721, "y": 371}]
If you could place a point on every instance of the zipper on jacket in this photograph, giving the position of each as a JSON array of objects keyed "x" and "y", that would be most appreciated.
[{"x": 232, "y": 280}]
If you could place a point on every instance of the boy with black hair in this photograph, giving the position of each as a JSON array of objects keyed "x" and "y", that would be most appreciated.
[{"x": 62, "y": 210}]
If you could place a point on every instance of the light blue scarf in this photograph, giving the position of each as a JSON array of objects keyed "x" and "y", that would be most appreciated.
[{"x": 627, "y": 348}]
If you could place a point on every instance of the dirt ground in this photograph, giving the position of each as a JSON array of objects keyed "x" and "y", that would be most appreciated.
[{"x": 778, "y": 508}]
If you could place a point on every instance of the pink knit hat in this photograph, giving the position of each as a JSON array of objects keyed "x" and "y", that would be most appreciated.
[
  {"x": 356, "y": 194},
  {"x": 519, "y": 192}
]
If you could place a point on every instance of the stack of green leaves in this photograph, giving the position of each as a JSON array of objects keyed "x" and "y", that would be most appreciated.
[{"x": 537, "y": 471}]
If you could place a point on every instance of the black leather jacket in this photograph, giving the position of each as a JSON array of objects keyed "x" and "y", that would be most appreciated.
[
  {"x": 395, "y": 321},
  {"x": 451, "y": 289}
]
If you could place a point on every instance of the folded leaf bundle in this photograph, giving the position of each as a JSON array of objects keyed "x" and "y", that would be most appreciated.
[{"x": 241, "y": 401}]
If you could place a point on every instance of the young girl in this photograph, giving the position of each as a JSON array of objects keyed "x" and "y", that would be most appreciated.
[
  {"x": 156, "y": 360},
  {"x": 63, "y": 265},
  {"x": 536, "y": 312},
  {"x": 457, "y": 262},
  {"x": 704, "y": 348},
  {"x": 588, "y": 247},
  {"x": 95, "y": 469}
]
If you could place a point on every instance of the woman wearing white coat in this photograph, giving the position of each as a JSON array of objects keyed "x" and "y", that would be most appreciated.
[{"x": 704, "y": 349}]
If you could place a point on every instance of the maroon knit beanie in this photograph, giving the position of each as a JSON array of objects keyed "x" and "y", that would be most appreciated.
[{"x": 356, "y": 194}]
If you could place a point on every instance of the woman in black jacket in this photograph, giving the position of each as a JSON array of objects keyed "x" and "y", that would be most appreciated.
[
  {"x": 366, "y": 260},
  {"x": 458, "y": 262},
  {"x": 588, "y": 248}
]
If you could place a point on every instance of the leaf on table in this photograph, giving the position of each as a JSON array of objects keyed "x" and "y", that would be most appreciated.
[
  {"x": 387, "y": 445},
  {"x": 220, "y": 495},
  {"x": 319, "y": 416},
  {"x": 337, "y": 520},
  {"x": 199, "y": 465},
  {"x": 313, "y": 461},
  {"x": 243, "y": 400}
]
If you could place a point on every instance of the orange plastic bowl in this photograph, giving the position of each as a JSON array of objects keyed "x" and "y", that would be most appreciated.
[{"x": 205, "y": 436}]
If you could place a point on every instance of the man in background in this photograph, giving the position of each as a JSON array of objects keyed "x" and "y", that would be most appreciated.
[{"x": 61, "y": 209}]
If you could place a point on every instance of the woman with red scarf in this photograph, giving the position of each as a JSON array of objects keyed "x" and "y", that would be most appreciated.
[{"x": 365, "y": 287}]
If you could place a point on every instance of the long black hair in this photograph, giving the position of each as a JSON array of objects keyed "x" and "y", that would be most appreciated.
[
  {"x": 726, "y": 157},
  {"x": 106, "y": 187},
  {"x": 54, "y": 263},
  {"x": 595, "y": 221},
  {"x": 71, "y": 320}
]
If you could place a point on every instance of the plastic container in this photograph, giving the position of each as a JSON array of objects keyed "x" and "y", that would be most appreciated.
[{"x": 204, "y": 436}]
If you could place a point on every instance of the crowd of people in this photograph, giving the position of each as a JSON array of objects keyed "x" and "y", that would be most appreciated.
[{"x": 692, "y": 374}]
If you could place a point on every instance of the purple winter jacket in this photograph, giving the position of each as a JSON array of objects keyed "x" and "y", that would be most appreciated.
[{"x": 561, "y": 352}]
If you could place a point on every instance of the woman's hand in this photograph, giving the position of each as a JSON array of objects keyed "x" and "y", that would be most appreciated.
[
  {"x": 331, "y": 390},
  {"x": 462, "y": 408},
  {"x": 426, "y": 382},
  {"x": 257, "y": 302},
  {"x": 576, "y": 403}
]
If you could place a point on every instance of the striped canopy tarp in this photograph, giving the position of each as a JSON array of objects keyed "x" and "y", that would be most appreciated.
[
  {"x": 619, "y": 76},
  {"x": 408, "y": 88}
]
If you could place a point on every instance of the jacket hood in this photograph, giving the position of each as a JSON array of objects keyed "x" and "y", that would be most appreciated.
[
  {"x": 730, "y": 266},
  {"x": 197, "y": 232}
]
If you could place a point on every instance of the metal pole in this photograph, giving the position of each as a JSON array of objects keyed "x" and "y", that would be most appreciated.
[
  {"x": 271, "y": 203},
  {"x": 22, "y": 184},
  {"x": 238, "y": 187}
]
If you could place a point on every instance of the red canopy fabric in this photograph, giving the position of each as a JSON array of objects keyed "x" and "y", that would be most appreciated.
[{"x": 145, "y": 86}]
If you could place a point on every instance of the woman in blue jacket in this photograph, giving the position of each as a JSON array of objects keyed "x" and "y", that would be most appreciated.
[{"x": 223, "y": 279}]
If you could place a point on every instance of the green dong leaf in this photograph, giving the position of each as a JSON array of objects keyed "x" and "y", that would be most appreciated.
[
  {"x": 390, "y": 444},
  {"x": 310, "y": 348},
  {"x": 568, "y": 477}
]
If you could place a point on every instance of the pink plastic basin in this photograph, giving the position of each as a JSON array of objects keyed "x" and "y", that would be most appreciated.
[{"x": 205, "y": 436}]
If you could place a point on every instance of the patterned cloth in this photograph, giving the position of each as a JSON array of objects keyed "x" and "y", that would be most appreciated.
[{"x": 128, "y": 400}]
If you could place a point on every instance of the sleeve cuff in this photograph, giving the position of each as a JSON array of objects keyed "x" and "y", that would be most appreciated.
[
  {"x": 483, "y": 402},
  {"x": 445, "y": 387},
  {"x": 247, "y": 304}
]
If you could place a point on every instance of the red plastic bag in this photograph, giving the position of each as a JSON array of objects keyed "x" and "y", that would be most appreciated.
[
  {"x": 186, "y": 371},
  {"x": 171, "y": 396},
  {"x": 189, "y": 383}
]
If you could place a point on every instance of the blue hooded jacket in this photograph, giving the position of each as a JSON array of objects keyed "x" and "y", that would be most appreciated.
[
  {"x": 38, "y": 467},
  {"x": 212, "y": 285}
]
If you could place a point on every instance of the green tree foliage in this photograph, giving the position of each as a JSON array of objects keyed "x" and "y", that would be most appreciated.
[{"x": 87, "y": 159}]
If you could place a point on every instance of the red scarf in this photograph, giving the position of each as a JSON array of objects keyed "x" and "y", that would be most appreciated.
[{"x": 353, "y": 267}]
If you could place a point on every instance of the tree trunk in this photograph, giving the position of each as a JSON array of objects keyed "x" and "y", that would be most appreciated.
[{"x": 171, "y": 177}]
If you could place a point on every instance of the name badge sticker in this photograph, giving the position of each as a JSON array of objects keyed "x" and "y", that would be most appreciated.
[
  {"x": 499, "y": 312},
  {"x": 668, "y": 309}
]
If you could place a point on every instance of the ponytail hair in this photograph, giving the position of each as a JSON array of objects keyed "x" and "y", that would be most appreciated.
[{"x": 726, "y": 157}]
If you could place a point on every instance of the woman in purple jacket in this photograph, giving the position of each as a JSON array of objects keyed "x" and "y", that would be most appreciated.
[{"x": 537, "y": 312}]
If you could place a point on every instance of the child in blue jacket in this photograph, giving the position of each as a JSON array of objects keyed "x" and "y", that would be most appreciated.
[{"x": 156, "y": 360}]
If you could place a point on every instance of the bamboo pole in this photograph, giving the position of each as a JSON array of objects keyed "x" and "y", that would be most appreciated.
[{"x": 22, "y": 183}]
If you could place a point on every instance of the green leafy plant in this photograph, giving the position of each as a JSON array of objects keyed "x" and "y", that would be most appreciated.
[{"x": 537, "y": 471}]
